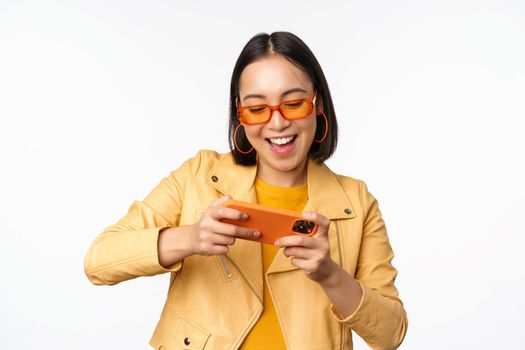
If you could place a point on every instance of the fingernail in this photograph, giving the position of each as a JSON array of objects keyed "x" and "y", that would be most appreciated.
[
  {"x": 256, "y": 233},
  {"x": 244, "y": 216},
  {"x": 307, "y": 214},
  {"x": 277, "y": 243}
]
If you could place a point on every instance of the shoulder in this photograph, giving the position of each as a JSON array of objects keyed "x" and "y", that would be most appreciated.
[
  {"x": 356, "y": 189},
  {"x": 206, "y": 157},
  {"x": 203, "y": 162},
  {"x": 351, "y": 184}
]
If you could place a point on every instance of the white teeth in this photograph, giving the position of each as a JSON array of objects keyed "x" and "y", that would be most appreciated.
[{"x": 282, "y": 140}]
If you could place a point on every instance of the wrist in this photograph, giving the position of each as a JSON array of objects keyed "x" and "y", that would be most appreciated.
[
  {"x": 173, "y": 245},
  {"x": 332, "y": 276}
]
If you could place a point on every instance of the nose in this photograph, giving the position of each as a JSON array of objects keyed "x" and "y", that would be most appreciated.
[{"x": 277, "y": 121}]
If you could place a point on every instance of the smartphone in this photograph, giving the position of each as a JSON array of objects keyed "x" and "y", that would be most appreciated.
[{"x": 272, "y": 223}]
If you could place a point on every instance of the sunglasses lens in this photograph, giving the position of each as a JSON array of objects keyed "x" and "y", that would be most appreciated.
[
  {"x": 296, "y": 109},
  {"x": 255, "y": 114}
]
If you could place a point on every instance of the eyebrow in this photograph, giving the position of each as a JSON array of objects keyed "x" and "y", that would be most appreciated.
[{"x": 287, "y": 92}]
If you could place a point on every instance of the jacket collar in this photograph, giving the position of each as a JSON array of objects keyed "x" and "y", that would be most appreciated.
[
  {"x": 325, "y": 196},
  {"x": 233, "y": 179}
]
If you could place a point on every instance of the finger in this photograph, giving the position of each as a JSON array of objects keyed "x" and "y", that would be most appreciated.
[
  {"x": 219, "y": 249},
  {"x": 234, "y": 230},
  {"x": 296, "y": 241},
  {"x": 220, "y": 212},
  {"x": 216, "y": 238},
  {"x": 303, "y": 264},
  {"x": 298, "y": 252},
  {"x": 322, "y": 221},
  {"x": 208, "y": 248},
  {"x": 317, "y": 218}
]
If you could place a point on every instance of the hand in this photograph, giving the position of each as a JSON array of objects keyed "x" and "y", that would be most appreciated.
[
  {"x": 311, "y": 253},
  {"x": 211, "y": 236}
]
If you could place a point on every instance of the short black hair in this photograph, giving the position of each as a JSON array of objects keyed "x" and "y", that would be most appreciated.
[{"x": 294, "y": 50}]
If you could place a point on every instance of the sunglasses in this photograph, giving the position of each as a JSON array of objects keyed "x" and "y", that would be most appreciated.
[{"x": 262, "y": 113}]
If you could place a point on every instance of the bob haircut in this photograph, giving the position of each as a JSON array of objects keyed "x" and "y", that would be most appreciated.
[{"x": 294, "y": 50}]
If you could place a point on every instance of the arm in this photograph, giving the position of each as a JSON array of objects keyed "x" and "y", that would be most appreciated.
[
  {"x": 368, "y": 304},
  {"x": 149, "y": 241},
  {"x": 129, "y": 248},
  {"x": 380, "y": 318}
]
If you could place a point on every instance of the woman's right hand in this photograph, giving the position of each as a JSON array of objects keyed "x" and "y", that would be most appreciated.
[{"x": 208, "y": 236}]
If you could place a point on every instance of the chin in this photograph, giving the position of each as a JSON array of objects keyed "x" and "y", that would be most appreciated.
[{"x": 285, "y": 165}]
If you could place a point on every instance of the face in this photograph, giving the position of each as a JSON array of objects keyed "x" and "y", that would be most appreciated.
[{"x": 282, "y": 145}]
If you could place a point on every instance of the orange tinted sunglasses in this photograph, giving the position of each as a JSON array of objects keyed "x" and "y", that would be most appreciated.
[{"x": 262, "y": 113}]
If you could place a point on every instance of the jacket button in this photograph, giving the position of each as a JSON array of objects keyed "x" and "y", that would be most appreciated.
[
  {"x": 214, "y": 178},
  {"x": 187, "y": 341},
  {"x": 348, "y": 211}
]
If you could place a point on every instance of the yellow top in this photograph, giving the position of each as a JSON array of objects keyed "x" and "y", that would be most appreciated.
[{"x": 266, "y": 334}]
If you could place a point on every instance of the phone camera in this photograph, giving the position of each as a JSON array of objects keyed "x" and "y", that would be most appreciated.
[{"x": 303, "y": 226}]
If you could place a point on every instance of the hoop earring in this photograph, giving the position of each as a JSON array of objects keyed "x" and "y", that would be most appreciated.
[
  {"x": 235, "y": 141},
  {"x": 325, "y": 130}
]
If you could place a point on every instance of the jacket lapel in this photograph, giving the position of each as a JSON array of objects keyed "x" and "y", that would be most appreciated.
[
  {"x": 238, "y": 181},
  {"x": 233, "y": 179},
  {"x": 326, "y": 197},
  {"x": 325, "y": 194}
]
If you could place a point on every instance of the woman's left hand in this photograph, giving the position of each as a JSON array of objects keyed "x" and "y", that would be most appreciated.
[{"x": 311, "y": 253}]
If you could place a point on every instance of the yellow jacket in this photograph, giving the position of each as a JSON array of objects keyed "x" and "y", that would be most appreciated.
[{"x": 213, "y": 302}]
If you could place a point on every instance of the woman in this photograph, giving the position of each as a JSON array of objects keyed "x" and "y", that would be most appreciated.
[{"x": 227, "y": 292}]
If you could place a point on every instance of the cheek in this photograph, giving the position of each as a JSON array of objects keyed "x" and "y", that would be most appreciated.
[
  {"x": 308, "y": 125},
  {"x": 252, "y": 132}
]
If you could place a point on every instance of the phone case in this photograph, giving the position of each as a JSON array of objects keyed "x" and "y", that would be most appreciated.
[{"x": 272, "y": 223}]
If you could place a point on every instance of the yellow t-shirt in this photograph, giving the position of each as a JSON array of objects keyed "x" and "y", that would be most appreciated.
[{"x": 266, "y": 334}]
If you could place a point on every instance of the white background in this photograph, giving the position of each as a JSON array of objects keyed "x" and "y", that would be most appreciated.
[{"x": 101, "y": 99}]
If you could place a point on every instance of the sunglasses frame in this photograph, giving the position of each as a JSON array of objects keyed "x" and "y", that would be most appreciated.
[{"x": 308, "y": 100}]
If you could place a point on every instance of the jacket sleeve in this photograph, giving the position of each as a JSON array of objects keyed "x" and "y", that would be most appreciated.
[
  {"x": 380, "y": 318},
  {"x": 128, "y": 249}
]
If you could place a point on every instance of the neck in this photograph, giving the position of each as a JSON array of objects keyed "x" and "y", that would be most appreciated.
[{"x": 289, "y": 178}]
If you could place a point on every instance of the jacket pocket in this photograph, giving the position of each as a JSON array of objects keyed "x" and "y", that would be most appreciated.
[{"x": 189, "y": 335}]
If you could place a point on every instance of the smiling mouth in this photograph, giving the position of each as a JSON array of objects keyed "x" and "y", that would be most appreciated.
[
  {"x": 282, "y": 146},
  {"x": 281, "y": 141}
]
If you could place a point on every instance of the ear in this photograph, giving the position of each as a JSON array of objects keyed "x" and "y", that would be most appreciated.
[{"x": 319, "y": 106}]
